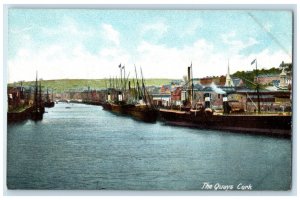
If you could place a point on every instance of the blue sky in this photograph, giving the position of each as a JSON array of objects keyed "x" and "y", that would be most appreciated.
[{"x": 91, "y": 43}]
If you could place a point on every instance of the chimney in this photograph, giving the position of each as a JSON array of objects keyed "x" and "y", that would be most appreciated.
[
  {"x": 189, "y": 84},
  {"x": 207, "y": 100}
]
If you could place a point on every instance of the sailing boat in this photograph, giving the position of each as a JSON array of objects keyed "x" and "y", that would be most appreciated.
[
  {"x": 48, "y": 103},
  {"x": 135, "y": 102},
  {"x": 116, "y": 101},
  {"x": 38, "y": 108},
  {"x": 144, "y": 108}
]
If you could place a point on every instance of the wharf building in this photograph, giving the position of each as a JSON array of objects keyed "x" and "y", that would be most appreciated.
[{"x": 212, "y": 92}]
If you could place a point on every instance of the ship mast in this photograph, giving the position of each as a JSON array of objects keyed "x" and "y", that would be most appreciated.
[
  {"x": 144, "y": 88},
  {"x": 40, "y": 95},
  {"x": 36, "y": 94},
  {"x": 137, "y": 84},
  {"x": 48, "y": 99},
  {"x": 257, "y": 87},
  {"x": 192, "y": 85}
]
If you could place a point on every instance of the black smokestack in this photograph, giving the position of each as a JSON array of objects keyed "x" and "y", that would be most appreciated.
[
  {"x": 207, "y": 100},
  {"x": 189, "y": 84},
  {"x": 226, "y": 106}
]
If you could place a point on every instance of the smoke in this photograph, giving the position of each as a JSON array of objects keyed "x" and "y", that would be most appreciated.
[{"x": 216, "y": 89}]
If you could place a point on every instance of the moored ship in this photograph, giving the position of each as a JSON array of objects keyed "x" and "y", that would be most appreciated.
[
  {"x": 134, "y": 102},
  {"x": 38, "y": 107},
  {"x": 270, "y": 124},
  {"x": 49, "y": 103},
  {"x": 143, "y": 113},
  {"x": 200, "y": 115}
]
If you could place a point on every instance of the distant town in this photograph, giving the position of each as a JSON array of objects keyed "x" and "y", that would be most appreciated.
[{"x": 274, "y": 88}]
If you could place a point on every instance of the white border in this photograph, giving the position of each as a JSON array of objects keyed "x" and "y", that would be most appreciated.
[{"x": 135, "y": 4}]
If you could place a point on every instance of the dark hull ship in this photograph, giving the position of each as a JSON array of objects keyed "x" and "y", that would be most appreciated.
[
  {"x": 204, "y": 118},
  {"x": 143, "y": 113},
  {"x": 120, "y": 108},
  {"x": 279, "y": 125},
  {"x": 140, "y": 106},
  {"x": 49, "y": 103},
  {"x": 38, "y": 107}
]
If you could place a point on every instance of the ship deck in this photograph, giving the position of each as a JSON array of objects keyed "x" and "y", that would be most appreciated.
[{"x": 231, "y": 114}]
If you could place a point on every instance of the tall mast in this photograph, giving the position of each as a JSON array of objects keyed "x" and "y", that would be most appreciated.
[
  {"x": 52, "y": 94},
  {"x": 124, "y": 84},
  {"x": 36, "y": 93},
  {"x": 120, "y": 66},
  {"x": 137, "y": 84},
  {"x": 40, "y": 95},
  {"x": 144, "y": 89},
  {"x": 47, "y": 95},
  {"x": 257, "y": 88},
  {"x": 192, "y": 84}
]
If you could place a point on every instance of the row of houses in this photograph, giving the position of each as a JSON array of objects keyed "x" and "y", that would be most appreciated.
[
  {"x": 19, "y": 96},
  {"x": 207, "y": 91},
  {"x": 213, "y": 91}
]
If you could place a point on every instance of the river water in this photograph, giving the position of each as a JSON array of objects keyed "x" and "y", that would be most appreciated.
[{"x": 85, "y": 147}]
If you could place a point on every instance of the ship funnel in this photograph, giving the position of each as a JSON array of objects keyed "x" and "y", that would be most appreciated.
[
  {"x": 108, "y": 97},
  {"x": 226, "y": 106},
  {"x": 207, "y": 100},
  {"x": 120, "y": 96}
]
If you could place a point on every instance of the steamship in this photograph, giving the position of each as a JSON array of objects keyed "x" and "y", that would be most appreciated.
[{"x": 204, "y": 117}]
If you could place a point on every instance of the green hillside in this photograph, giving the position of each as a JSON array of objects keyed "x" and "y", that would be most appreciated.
[{"x": 82, "y": 84}]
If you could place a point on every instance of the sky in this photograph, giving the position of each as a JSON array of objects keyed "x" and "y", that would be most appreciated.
[{"x": 91, "y": 43}]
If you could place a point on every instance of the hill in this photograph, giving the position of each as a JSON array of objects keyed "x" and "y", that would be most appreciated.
[{"x": 62, "y": 85}]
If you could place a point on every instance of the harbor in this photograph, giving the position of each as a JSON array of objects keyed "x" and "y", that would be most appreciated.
[
  {"x": 86, "y": 147},
  {"x": 149, "y": 99},
  {"x": 194, "y": 103}
]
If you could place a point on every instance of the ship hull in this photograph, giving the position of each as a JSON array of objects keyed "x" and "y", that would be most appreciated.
[
  {"x": 138, "y": 112},
  {"x": 279, "y": 125},
  {"x": 36, "y": 115},
  {"x": 143, "y": 113},
  {"x": 117, "y": 108},
  {"x": 19, "y": 116},
  {"x": 49, "y": 104},
  {"x": 106, "y": 106},
  {"x": 121, "y": 108}
]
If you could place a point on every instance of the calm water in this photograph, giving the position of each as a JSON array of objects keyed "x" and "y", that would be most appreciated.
[{"x": 87, "y": 148}]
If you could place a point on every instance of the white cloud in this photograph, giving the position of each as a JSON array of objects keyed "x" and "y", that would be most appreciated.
[
  {"x": 58, "y": 61},
  {"x": 73, "y": 60},
  {"x": 111, "y": 34},
  {"x": 235, "y": 45},
  {"x": 161, "y": 61},
  {"x": 21, "y": 31},
  {"x": 154, "y": 30},
  {"x": 191, "y": 28},
  {"x": 67, "y": 28},
  {"x": 157, "y": 61}
]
